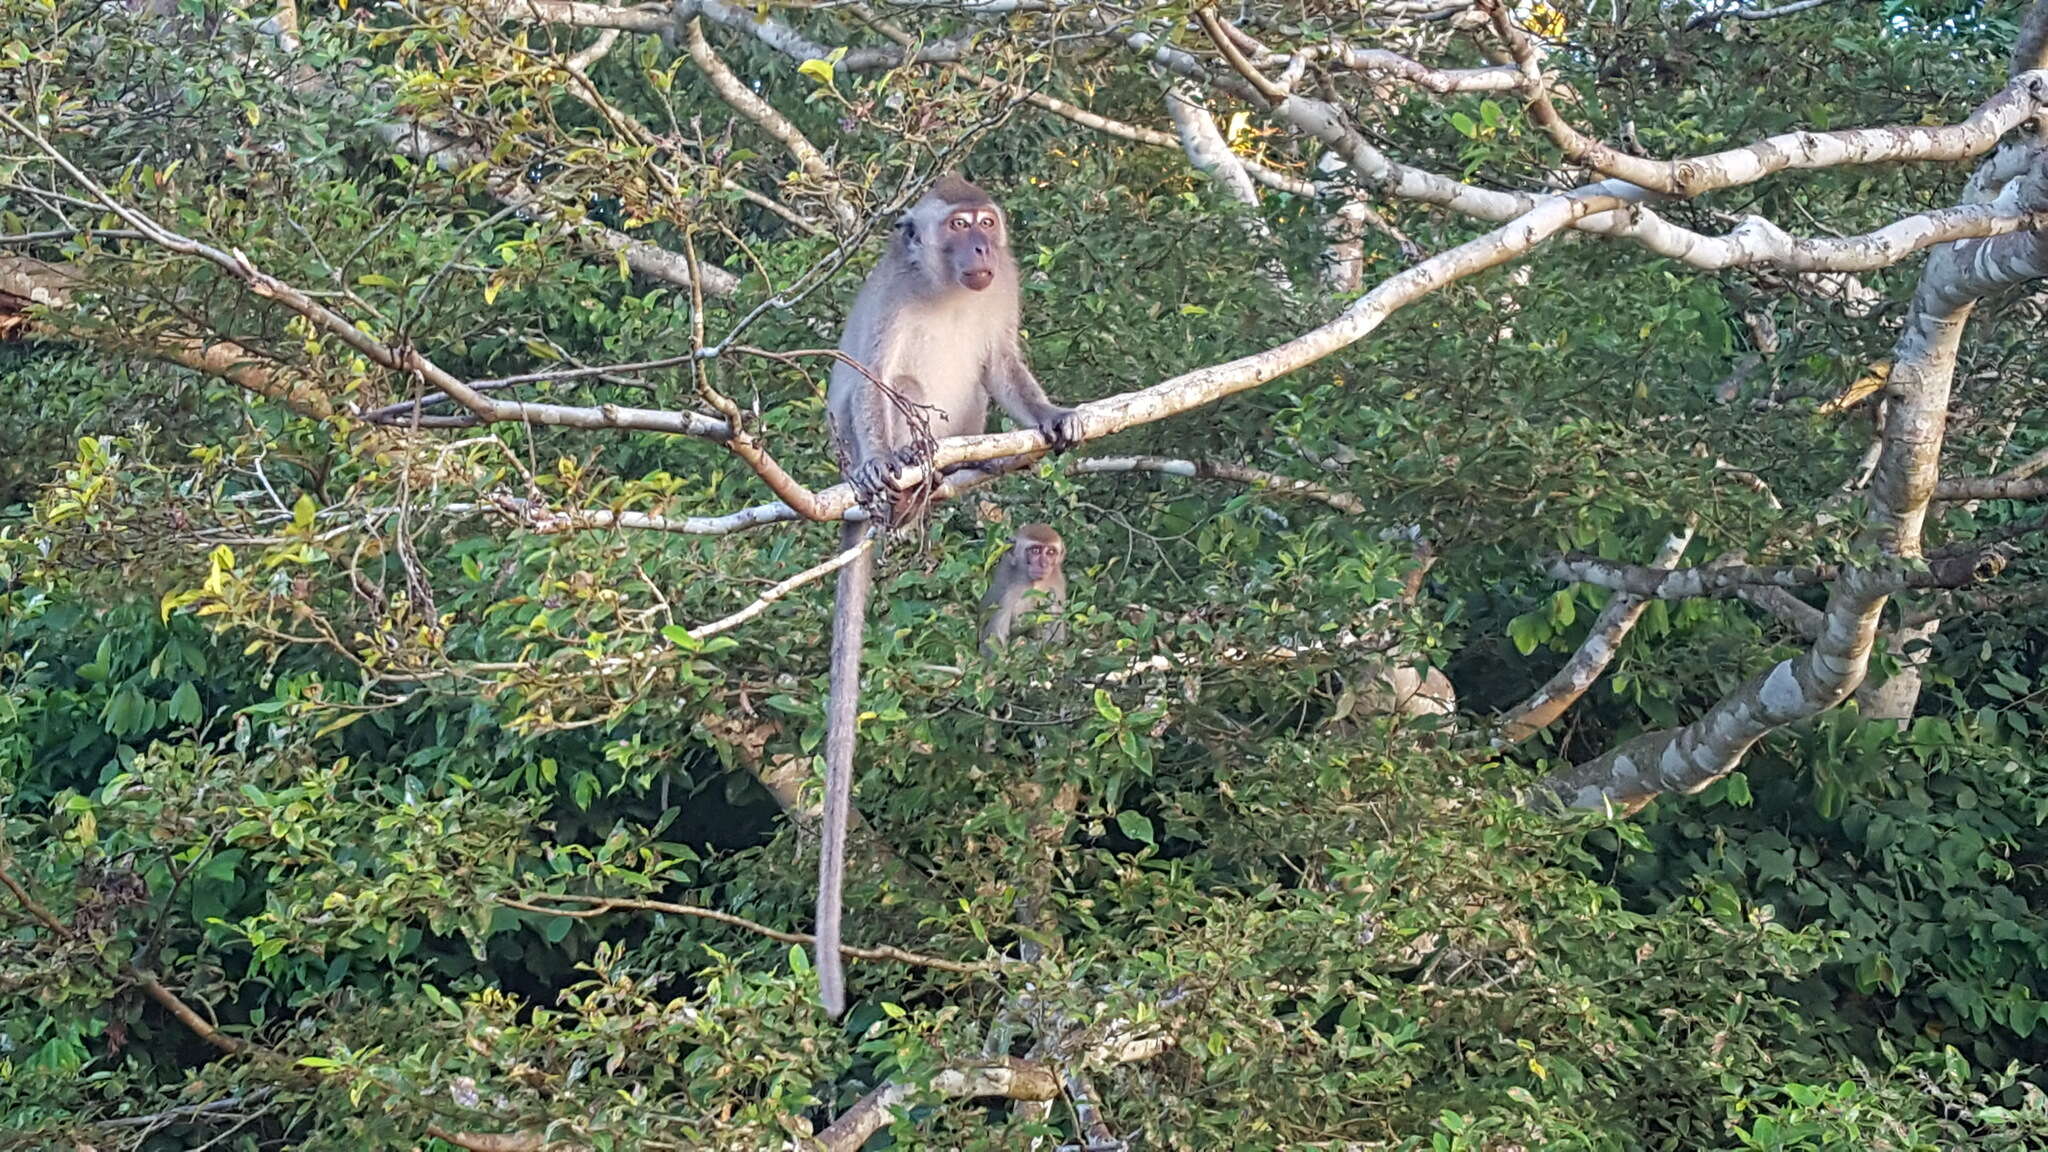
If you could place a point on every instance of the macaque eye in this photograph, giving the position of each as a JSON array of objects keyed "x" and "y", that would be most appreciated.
[
  {"x": 988, "y": 221},
  {"x": 958, "y": 223}
]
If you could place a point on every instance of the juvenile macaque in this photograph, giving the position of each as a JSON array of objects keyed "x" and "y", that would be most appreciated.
[
  {"x": 1030, "y": 576},
  {"x": 936, "y": 324}
]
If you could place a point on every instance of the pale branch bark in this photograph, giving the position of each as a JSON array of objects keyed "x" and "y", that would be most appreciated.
[
  {"x": 1800, "y": 616},
  {"x": 2016, "y": 104},
  {"x": 546, "y": 521},
  {"x": 744, "y": 100},
  {"x": 1987, "y": 600},
  {"x": 1658, "y": 583},
  {"x": 402, "y": 412},
  {"x": 767, "y": 599},
  {"x": 2024, "y": 487},
  {"x": 1714, "y": 17},
  {"x": 1344, "y": 255},
  {"x": 647, "y": 19},
  {"x": 450, "y": 155},
  {"x": 1393, "y": 65},
  {"x": 1210, "y": 154},
  {"x": 1896, "y": 696},
  {"x": 1220, "y": 470},
  {"x": 1590, "y": 661},
  {"x": 1010, "y": 1080},
  {"x": 1205, "y": 146},
  {"x": 1956, "y": 276},
  {"x": 799, "y": 47},
  {"x": 1755, "y": 242},
  {"x": 2033, "y": 463}
]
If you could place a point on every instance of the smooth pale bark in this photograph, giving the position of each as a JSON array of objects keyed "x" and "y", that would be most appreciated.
[
  {"x": 1896, "y": 696},
  {"x": 1590, "y": 661},
  {"x": 1957, "y": 275}
]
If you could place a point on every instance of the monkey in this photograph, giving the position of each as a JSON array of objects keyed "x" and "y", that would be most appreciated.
[
  {"x": 1034, "y": 564},
  {"x": 936, "y": 324}
]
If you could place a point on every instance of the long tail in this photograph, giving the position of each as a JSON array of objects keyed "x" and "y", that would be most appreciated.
[{"x": 842, "y": 711}]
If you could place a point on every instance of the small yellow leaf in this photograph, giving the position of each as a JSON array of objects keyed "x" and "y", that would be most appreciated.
[
  {"x": 1861, "y": 389},
  {"x": 821, "y": 70}
]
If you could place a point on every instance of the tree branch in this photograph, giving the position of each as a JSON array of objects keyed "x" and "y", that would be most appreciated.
[
  {"x": 2016, "y": 104},
  {"x": 1956, "y": 571},
  {"x": 1590, "y": 661},
  {"x": 1220, "y": 470},
  {"x": 766, "y": 599},
  {"x": 1011, "y": 1080},
  {"x": 590, "y": 907},
  {"x": 1689, "y": 758}
]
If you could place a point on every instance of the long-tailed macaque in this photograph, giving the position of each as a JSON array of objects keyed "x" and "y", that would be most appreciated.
[
  {"x": 1031, "y": 575},
  {"x": 936, "y": 324}
]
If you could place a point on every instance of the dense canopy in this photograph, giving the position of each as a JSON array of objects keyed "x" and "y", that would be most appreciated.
[{"x": 418, "y": 520}]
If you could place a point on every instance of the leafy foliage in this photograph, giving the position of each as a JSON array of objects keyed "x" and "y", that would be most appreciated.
[{"x": 303, "y": 718}]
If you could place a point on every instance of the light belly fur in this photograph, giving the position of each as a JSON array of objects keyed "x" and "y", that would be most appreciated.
[{"x": 946, "y": 353}]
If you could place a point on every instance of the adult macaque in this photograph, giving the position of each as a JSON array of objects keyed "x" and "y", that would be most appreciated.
[
  {"x": 935, "y": 327},
  {"x": 1031, "y": 575}
]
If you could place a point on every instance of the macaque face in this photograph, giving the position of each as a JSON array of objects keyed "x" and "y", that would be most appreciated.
[
  {"x": 969, "y": 238},
  {"x": 1042, "y": 560}
]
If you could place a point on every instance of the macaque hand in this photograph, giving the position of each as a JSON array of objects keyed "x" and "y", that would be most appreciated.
[
  {"x": 875, "y": 481},
  {"x": 1062, "y": 426}
]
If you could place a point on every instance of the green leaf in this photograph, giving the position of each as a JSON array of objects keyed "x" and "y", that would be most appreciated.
[
  {"x": 184, "y": 706},
  {"x": 1107, "y": 707},
  {"x": 1136, "y": 825}
]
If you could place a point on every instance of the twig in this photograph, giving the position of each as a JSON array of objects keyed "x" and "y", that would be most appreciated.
[
  {"x": 594, "y": 906},
  {"x": 1220, "y": 470},
  {"x": 762, "y": 602}
]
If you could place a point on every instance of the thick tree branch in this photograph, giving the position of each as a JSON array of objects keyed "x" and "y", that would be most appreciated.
[
  {"x": 1590, "y": 661},
  {"x": 1011, "y": 1080},
  {"x": 2019, "y": 102},
  {"x": 1957, "y": 275},
  {"x": 1957, "y": 571},
  {"x": 1992, "y": 488}
]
